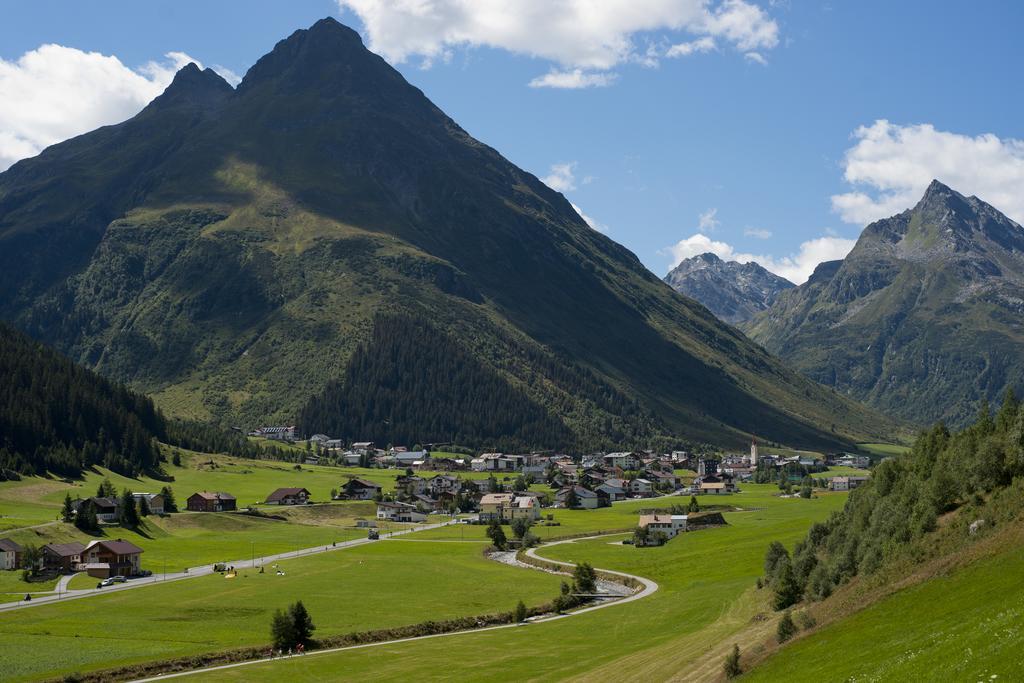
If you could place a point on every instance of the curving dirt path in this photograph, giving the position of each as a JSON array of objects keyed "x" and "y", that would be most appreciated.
[{"x": 649, "y": 587}]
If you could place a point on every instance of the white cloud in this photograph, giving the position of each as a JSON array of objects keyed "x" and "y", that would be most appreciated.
[
  {"x": 590, "y": 36},
  {"x": 794, "y": 267},
  {"x": 705, "y": 44},
  {"x": 756, "y": 57},
  {"x": 574, "y": 79},
  {"x": 759, "y": 233},
  {"x": 891, "y": 165},
  {"x": 54, "y": 92},
  {"x": 562, "y": 177},
  {"x": 594, "y": 225},
  {"x": 708, "y": 220}
]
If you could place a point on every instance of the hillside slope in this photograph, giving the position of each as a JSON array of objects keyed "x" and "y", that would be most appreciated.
[
  {"x": 229, "y": 250},
  {"x": 733, "y": 291},
  {"x": 943, "y": 525},
  {"x": 57, "y": 417},
  {"x": 922, "y": 320}
]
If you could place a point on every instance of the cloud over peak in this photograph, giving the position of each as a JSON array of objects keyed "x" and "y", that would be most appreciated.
[
  {"x": 55, "y": 92},
  {"x": 586, "y": 40},
  {"x": 890, "y": 166}
]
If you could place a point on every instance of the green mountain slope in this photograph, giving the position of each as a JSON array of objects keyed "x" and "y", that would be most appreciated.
[
  {"x": 921, "y": 320},
  {"x": 57, "y": 417},
  {"x": 229, "y": 251}
]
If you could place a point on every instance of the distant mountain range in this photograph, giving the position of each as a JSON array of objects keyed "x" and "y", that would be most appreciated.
[
  {"x": 923, "y": 319},
  {"x": 733, "y": 291},
  {"x": 231, "y": 251}
]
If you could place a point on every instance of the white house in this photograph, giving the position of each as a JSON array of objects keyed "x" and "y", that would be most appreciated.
[
  {"x": 399, "y": 512},
  {"x": 640, "y": 487},
  {"x": 845, "y": 483},
  {"x": 526, "y": 507},
  {"x": 670, "y": 525},
  {"x": 10, "y": 554}
]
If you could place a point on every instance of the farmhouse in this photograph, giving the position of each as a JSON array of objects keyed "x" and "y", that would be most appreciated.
[
  {"x": 154, "y": 502},
  {"x": 640, "y": 487},
  {"x": 585, "y": 498},
  {"x": 288, "y": 496},
  {"x": 205, "y": 501},
  {"x": 106, "y": 508},
  {"x": 494, "y": 505},
  {"x": 613, "y": 488},
  {"x": 526, "y": 507},
  {"x": 111, "y": 558},
  {"x": 399, "y": 512},
  {"x": 359, "y": 489},
  {"x": 670, "y": 525},
  {"x": 10, "y": 554},
  {"x": 276, "y": 433},
  {"x": 62, "y": 557},
  {"x": 845, "y": 483}
]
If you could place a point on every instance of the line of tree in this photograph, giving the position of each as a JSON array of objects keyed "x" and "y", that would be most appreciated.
[{"x": 900, "y": 503}]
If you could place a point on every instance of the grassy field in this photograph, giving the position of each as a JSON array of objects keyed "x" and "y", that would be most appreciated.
[
  {"x": 385, "y": 584},
  {"x": 882, "y": 449},
  {"x": 839, "y": 471},
  {"x": 939, "y": 630},
  {"x": 707, "y": 593},
  {"x": 37, "y": 500}
]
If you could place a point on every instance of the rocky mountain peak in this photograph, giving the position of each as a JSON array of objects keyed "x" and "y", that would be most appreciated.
[{"x": 733, "y": 291}]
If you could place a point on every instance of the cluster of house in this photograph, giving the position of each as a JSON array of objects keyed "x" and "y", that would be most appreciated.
[{"x": 100, "y": 559}]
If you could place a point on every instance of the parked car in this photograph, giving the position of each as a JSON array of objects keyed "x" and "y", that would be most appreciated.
[
  {"x": 373, "y": 535},
  {"x": 105, "y": 582},
  {"x": 119, "y": 579}
]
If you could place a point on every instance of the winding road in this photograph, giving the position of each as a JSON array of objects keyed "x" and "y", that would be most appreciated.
[{"x": 649, "y": 587}]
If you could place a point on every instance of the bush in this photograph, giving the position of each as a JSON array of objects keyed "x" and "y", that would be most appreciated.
[
  {"x": 786, "y": 628},
  {"x": 585, "y": 577},
  {"x": 520, "y": 614},
  {"x": 732, "y": 663}
]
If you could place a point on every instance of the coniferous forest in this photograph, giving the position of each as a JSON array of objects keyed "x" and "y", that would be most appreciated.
[
  {"x": 58, "y": 417},
  {"x": 410, "y": 383}
]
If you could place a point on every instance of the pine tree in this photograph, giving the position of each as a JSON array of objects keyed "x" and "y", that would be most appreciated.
[
  {"x": 143, "y": 507},
  {"x": 302, "y": 623},
  {"x": 694, "y": 506},
  {"x": 786, "y": 628},
  {"x": 787, "y": 588},
  {"x": 128, "y": 515},
  {"x": 282, "y": 633},
  {"x": 732, "y": 663},
  {"x": 170, "y": 505},
  {"x": 67, "y": 512},
  {"x": 520, "y": 614}
]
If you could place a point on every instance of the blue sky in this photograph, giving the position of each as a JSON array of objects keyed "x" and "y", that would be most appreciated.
[{"x": 758, "y": 134}]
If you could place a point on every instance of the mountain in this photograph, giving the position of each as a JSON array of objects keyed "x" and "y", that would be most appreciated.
[
  {"x": 922, "y": 320},
  {"x": 733, "y": 291},
  {"x": 238, "y": 253}
]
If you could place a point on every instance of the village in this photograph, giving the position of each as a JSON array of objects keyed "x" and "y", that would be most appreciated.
[{"x": 516, "y": 487}]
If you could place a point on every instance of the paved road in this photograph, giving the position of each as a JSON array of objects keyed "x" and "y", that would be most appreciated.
[
  {"x": 649, "y": 587},
  {"x": 204, "y": 570}
]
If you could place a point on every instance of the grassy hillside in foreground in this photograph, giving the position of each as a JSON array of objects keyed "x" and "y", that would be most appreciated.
[
  {"x": 380, "y": 585},
  {"x": 961, "y": 627},
  {"x": 707, "y": 593}
]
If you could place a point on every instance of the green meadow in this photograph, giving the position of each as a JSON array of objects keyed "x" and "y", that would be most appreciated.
[
  {"x": 707, "y": 595},
  {"x": 962, "y": 627},
  {"x": 883, "y": 450},
  {"x": 379, "y": 585}
]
